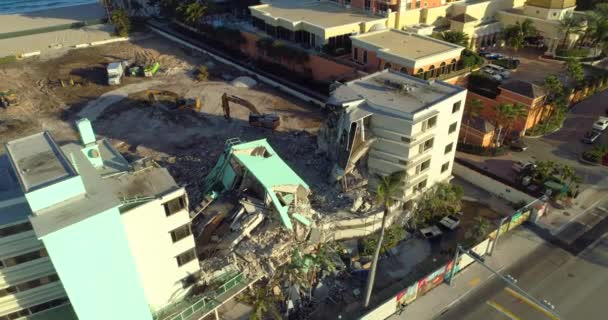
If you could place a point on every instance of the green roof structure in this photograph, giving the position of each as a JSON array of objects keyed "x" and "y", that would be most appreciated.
[{"x": 281, "y": 184}]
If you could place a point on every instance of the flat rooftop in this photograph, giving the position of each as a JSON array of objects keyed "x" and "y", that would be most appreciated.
[
  {"x": 405, "y": 44},
  {"x": 51, "y": 17},
  {"x": 394, "y": 92},
  {"x": 147, "y": 182},
  {"x": 321, "y": 14},
  {"x": 98, "y": 198},
  {"x": 38, "y": 161}
]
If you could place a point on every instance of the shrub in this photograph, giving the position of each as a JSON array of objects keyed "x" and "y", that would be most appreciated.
[
  {"x": 470, "y": 59},
  {"x": 393, "y": 235},
  {"x": 202, "y": 74},
  {"x": 573, "y": 52}
]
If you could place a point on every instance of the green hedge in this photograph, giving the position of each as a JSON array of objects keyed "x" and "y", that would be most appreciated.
[
  {"x": 573, "y": 52},
  {"x": 481, "y": 151},
  {"x": 483, "y": 85},
  {"x": 278, "y": 50}
]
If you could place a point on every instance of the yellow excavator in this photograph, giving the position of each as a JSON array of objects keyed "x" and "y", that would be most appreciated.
[
  {"x": 256, "y": 119},
  {"x": 180, "y": 103}
]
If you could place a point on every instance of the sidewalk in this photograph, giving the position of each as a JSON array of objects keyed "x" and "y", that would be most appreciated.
[{"x": 511, "y": 248}]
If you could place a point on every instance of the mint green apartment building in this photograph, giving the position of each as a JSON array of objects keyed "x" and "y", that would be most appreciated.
[{"x": 86, "y": 235}]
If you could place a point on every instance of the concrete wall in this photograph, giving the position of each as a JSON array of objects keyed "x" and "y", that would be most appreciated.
[
  {"x": 95, "y": 265},
  {"x": 436, "y": 16},
  {"x": 354, "y": 227},
  {"x": 493, "y": 186},
  {"x": 148, "y": 231},
  {"x": 408, "y": 18}
]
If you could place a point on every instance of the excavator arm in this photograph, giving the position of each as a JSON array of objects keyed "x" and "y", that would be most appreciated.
[{"x": 270, "y": 121}]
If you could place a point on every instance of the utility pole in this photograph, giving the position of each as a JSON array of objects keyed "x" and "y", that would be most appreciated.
[{"x": 508, "y": 281}]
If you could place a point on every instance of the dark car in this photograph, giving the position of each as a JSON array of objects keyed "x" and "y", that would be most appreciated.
[
  {"x": 591, "y": 136},
  {"x": 518, "y": 145}
]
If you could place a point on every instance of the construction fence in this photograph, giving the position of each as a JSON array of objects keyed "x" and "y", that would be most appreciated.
[{"x": 443, "y": 273}]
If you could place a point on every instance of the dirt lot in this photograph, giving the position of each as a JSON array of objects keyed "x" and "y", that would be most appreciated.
[{"x": 188, "y": 143}]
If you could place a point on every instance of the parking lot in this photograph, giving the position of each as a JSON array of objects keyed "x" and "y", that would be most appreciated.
[{"x": 532, "y": 67}]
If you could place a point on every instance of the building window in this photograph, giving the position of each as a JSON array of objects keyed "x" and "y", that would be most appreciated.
[
  {"x": 185, "y": 257},
  {"x": 449, "y": 148},
  {"x": 403, "y": 70},
  {"x": 417, "y": 4},
  {"x": 31, "y": 284},
  {"x": 387, "y": 65},
  {"x": 429, "y": 123},
  {"x": 175, "y": 205},
  {"x": 445, "y": 167},
  {"x": 364, "y": 57},
  {"x": 453, "y": 127},
  {"x": 426, "y": 145},
  {"x": 456, "y": 107},
  {"x": 368, "y": 4},
  {"x": 15, "y": 229},
  {"x": 48, "y": 305},
  {"x": 421, "y": 185},
  {"x": 12, "y": 261},
  {"x": 356, "y": 54},
  {"x": 406, "y": 140},
  {"x": 180, "y": 232},
  {"x": 423, "y": 166}
]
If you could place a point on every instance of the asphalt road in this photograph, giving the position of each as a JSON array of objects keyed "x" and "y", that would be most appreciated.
[{"x": 576, "y": 283}]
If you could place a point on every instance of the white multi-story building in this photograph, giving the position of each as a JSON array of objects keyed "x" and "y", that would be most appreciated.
[{"x": 388, "y": 122}]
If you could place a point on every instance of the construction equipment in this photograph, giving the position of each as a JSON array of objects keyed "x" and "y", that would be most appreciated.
[
  {"x": 151, "y": 69},
  {"x": 115, "y": 72},
  {"x": 256, "y": 119},
  {"x": 8, "y": 98},
  {"x": 179, "y": 102}
]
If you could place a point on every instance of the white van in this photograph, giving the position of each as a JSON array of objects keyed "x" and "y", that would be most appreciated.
[{"x": 500, "y": 70}]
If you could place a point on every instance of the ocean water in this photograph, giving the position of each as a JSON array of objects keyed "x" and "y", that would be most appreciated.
[{"x": 19, "y": 6}]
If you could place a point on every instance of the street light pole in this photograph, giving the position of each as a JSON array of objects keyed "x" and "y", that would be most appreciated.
[{"x": 509, "y": 282}]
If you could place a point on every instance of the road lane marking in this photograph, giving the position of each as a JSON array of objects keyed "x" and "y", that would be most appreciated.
[
  {"x": 503, "y": 310},
  {"x": 474, "y": 282},
  {"x": 531, "y": 303}
]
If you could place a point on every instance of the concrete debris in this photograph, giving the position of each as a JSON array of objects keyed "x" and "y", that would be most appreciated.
[{"x": 358, "y": 203}]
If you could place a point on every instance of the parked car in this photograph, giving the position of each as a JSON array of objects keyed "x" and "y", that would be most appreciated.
[
  {"x": 493, "y": 56},
  {"x": 601, "y": 124},
  {"x": 492, "y": 74},
  {"x": 499, "y": 70},
  {"x": 431, "y": 232},
  {"x": 517, "y": 145},
  {"x": 591, "y": 136},
  {"x": 451, "y": 222},
  {"x": 509, "y": 63},
  {"x": 520, "y": 166}
]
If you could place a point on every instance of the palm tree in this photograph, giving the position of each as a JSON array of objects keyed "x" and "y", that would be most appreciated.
[
  {"x": 472, "y": 110},
  {"x": 263, "y": 302},
  {"x": 388, "y": 187},
  {"x": 575, "y": 70},
  {"x": 455, "y": 37},
  {"x": 516, "y": 34},
  {"x": 121, "y": 21},
  {"x": 191, "y": 13},
  {"x": 506, "y": 115},
  {"x": 570, "y": 24},
  {"x": 479, "y": 229}
]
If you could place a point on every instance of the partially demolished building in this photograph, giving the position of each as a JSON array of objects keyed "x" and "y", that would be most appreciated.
[
  {"x": 388, "y": 122},
  {"x": 249, "y": 184}
]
